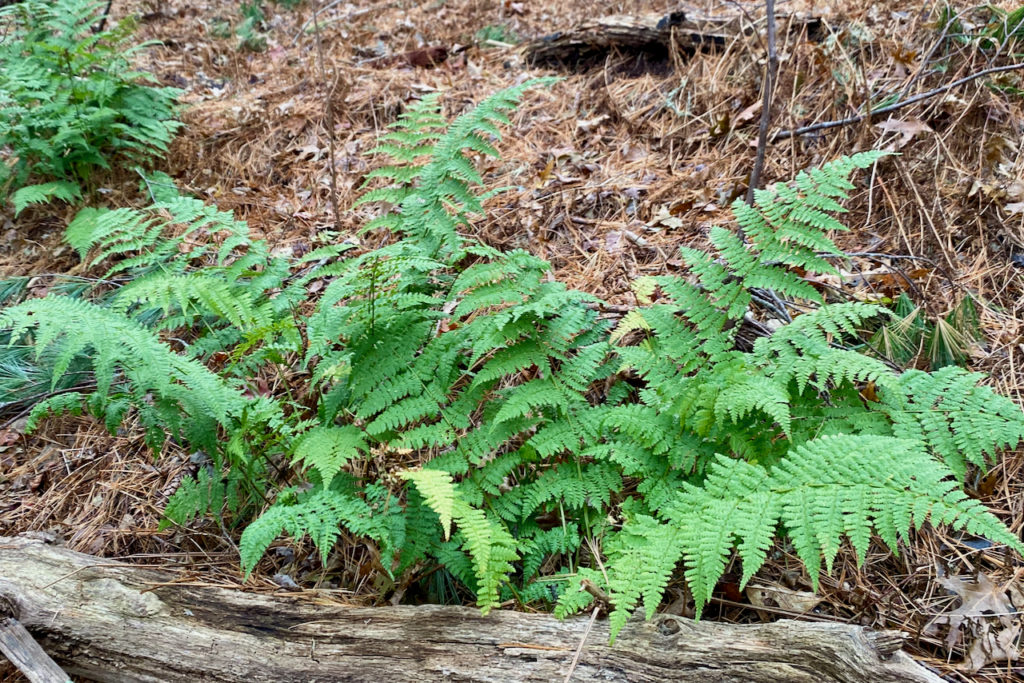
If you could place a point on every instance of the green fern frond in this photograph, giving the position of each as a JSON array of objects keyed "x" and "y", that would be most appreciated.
[
  {"x": 957, "y": 419},
  {"x": 200, "y": 495},
  {"x": 69, "y": 403},
  {"x": 443, "y": 197},
  {"x": 141, "y": 238},
  {"x": 824, "y": 490},
  {"x": 488, "y": 543},
  {"x": 642, "y": 557},
  {"x": 71, "y": 101},
  {"x": 321, "y": 515},
  {"x": 438, "y": 491},
  {"x": 120, "y": 350},
  {"x": 43, "y": 193},
  {"x": 192, "y": 295},
  {"x": 754, "y": 391},
  {"x": 590, "y": 485},
  {"x": 328, "y": 449},
  {"x": 574, "y": 597}
]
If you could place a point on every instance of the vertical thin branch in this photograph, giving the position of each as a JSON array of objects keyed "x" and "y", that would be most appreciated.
[
  {"x": 767, "y": 89},
  {"x": 771, "y": 69},
  {"x": 103, "y": 20},
  {"x": 330, "y": 116}
]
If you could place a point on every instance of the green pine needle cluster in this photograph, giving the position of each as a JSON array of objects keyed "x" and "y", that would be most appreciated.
[{"x": 458, "y": 408}]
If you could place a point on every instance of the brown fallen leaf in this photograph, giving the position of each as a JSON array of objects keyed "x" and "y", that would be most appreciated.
[
  {"x": 979, "y": 599},
  {"x": 422, "y": 58},
  {"x": 1014, "y": 208},
  {"x": 993, "y": 646},
  {"x": 907, "y": 130},
  {"x": 426, "y": 57},
  {"x": 587, "y": 125},
  {"x": 749, "y": 113},
  {"x": 985, "y": 617}
]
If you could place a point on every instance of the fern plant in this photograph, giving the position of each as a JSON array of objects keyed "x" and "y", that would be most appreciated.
[
  {"x": 457, "y": 408},
  {"x": 785, "y": 427},
  {"x": 181, "y": 286},
  {"x": 70, "y": 101},
  {"x": 493, "y": 378}
]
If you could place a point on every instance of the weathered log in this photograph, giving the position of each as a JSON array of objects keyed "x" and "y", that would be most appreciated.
[
  {"x": 21, "y": 649},
  {"x": 690, "y": 28},
  {"x": 111, "y": 621}
]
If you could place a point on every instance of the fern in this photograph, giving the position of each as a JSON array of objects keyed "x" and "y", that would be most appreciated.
[
  {"x": 574, "y": 597},
  {"x": 43, "y": 193},
  {"x": 435, "y": 198},
  {"x": 328, "y": 449},
  {"x": 70, "y": 101},
  {"x": 141, "y": 238},
  {"x": 126, "y": 354},
  {"x": 642, "y": 556},
  {"x": 537, "y": 446},
  {"x": 321, "y": 514},
  {"x": 192, "y": 271},
  {"x": 958, "y": 420},
  {"x": 823, "y": 491},
  {"x": 69, "y": 403},
  {"x": 203, "y": 494},
  {"x": 487, "y": 542}
]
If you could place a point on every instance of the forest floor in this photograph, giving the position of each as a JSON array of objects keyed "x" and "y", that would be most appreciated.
[{"x": 609, "y": 171}]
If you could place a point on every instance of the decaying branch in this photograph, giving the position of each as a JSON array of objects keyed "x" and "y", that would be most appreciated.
[
  {"x": 689, "y": 28},
  {"x": 114, "y": 622}
]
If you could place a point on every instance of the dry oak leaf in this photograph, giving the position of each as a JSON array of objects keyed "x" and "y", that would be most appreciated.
[
  {"x": 906, "y": 128},
  {"x": 987, "y": 613}
]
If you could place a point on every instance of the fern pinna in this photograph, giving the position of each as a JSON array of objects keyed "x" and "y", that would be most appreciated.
[{"x": 456, "y": 407}]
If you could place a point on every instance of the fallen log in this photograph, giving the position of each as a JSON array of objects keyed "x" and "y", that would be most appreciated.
[
  {"x": 690, "y": 28},
  {"x": 110, "y": 621}
]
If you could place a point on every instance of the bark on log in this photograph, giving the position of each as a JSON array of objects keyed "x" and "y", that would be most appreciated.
[
  {"x": 110, "y": 621},
  {"x": 690, "y": 28}
]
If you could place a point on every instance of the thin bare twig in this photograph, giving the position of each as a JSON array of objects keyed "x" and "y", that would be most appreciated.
[
  {"x": 330, "y": 117},
  {"x": 579, "y": 649},
  {"x": 103, "y": 19},
  {"x": 348, "y": 17},
  {"x": 768, "y": 87},
  {"x": 827, "y": 125}
]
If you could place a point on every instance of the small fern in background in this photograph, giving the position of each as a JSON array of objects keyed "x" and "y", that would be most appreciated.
[
  {"x": 457, "y": 408},
  {"x": 70, "y": 101}
]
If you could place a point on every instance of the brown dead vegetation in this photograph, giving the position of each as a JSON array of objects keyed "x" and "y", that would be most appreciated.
[{"x": 610, "y": 171}]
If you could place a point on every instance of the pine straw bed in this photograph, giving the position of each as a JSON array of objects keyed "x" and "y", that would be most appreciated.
[{"x": 610, "y": 170}]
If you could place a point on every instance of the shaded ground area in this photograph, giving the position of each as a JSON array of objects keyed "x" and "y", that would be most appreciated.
[{"x": 609, "y": 171}]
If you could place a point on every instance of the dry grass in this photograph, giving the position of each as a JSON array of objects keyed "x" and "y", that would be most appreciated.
[{"x": 611, "y": 170}]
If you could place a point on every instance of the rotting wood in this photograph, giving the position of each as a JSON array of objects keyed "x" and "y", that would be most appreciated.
[
  {"x": 21, "y": 650},
  {"x": 691, "y": 29},
  {"x": 110, "y": 621}
]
